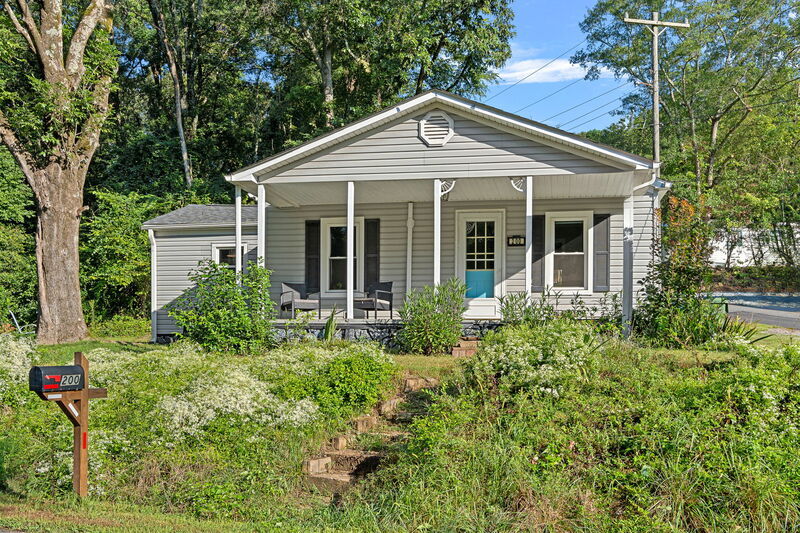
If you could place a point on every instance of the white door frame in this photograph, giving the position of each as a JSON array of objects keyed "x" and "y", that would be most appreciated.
[{"x": 498, "y": 216}]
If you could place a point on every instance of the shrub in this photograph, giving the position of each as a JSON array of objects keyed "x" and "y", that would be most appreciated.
[
  {"x": 674, "y": 312},
  {"x": 16, "y": 359},
  {"x": 226, "y": 311},
  {"x": 432, "y": 318},
  {"x": 519, "y": 308},
  {"x": 766, "y": 278},
  {"x": 539, "y": 359}
]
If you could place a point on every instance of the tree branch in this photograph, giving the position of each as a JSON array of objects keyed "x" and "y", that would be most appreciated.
[
  {"x": 27, "y": 18},
  {"x": 22, "y": 31},
  {"x": 26, "y": 163},
  {"x": 77, "y": 45}
]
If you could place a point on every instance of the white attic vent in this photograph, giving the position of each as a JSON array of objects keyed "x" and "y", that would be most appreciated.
[{"x": 436, "y": 128}]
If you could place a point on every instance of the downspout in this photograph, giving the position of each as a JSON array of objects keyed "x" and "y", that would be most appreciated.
[
  {"x": 409, "y": 244},
  {"x": 151, "y": 234}
]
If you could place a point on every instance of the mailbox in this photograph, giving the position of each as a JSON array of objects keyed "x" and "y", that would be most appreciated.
[{"x": 46, "y": 379}]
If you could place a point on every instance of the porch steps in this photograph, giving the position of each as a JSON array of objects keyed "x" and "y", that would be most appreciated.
[
  {"x": 349, "y": 458},
  {"x": 466, "y": 347}
]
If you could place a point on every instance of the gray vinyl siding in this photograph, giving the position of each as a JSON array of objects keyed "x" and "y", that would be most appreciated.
[
  {"x": 178, "y": 254},
  {"x": 476, "y": 149},
  {"x": 286, "y": 236}
]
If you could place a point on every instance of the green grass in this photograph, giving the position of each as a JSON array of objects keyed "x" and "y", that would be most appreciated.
[
  {"x": 93, "y": 516},
  {"x": 63, "y": 353},
  {"x": 645, "y": 440},
  {"x": 439, "y": 367}
]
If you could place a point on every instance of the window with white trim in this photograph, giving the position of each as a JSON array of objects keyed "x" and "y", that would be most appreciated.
[
  {"x": 334, "y": 254},
  {"x": 225, "y": 254},
  {"x": 569, "y": 260}
]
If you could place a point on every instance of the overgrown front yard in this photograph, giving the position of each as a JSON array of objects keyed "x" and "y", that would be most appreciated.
[{"x": 549, "y": 428}]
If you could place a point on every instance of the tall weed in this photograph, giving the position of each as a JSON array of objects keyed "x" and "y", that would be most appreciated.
[{"x": 432, "y": 318}]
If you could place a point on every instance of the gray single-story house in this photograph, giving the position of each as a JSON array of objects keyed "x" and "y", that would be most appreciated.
[{"x": 437, "y": 186}]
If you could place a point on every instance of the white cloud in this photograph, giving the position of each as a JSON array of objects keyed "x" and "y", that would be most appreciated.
[
  {"x": 558, "y": 70},
  {"x": 519, "y": 51}
]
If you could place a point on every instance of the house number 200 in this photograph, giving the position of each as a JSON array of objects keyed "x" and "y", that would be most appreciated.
[{"x": 69, "y": 380}]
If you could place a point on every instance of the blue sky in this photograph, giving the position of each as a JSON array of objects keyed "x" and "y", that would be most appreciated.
[{"x": 546, "y": 29}]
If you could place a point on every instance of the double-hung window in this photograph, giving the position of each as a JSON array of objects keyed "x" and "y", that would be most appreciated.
[
  {"x": 568, "y": 263},
  {"x": 334, "y": 254}
]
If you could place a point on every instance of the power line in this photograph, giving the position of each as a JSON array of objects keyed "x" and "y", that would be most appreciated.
[
  {"x": 574, "y": 128},
  {"x": 548, "y": 96},
  {"x": 587, "y": 101},
  {"x": 587, "y": 113},
  {"x": 535, "y": 71}
]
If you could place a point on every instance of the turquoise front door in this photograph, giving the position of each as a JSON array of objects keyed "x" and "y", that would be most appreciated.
[{"x": 480, "y": 258}]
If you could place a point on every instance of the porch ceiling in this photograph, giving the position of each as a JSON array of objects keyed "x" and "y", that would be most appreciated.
[{"x": 607, "y": 185}]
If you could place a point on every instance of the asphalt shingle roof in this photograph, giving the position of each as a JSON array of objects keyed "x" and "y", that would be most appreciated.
[{"x": 205, "y": 215}]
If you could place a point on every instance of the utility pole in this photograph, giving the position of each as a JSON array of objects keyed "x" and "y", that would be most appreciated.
[{"x": 656, "y": 27}]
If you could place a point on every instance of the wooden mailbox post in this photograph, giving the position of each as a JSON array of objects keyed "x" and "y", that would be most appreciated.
[{"x": 68, "y": 386}]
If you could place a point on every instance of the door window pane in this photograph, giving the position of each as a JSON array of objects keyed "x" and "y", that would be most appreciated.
[{"x": 337, "y": 273}]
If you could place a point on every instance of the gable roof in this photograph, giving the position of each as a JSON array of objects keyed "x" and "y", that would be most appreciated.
[
  {"x": 194, "y": 215},
  {"x": 468, "y": 107}
]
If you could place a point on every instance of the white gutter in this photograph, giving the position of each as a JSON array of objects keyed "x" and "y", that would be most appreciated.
[
  {"x": 153, "y": 285},
  {"x": 197, "y": 226},
  {"x": 409, "y": 244}
]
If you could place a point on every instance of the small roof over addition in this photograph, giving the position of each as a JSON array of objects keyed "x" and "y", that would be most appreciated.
[{"x": 194, "y": 215}]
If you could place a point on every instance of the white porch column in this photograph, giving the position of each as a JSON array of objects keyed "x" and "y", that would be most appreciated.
[
  {"x": 409, "y": 245},
  {"x": 262, "y": 225},
  {"x": 351, "y": 201},
  {"x": 529, "y": 236},
  {"x": 437, "y": 231},
  {"x": 238, "y": 236},
  {"x": 627, "y": 263}
]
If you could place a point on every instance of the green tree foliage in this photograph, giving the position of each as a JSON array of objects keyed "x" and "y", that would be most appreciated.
[
  {"x": 57, "y": 62},
  {"x": 116, "y": 252},
  {"x": 243, "y": 80},
  {"x": 729, "y": 104},
  {"x": 17, "y": 262}
]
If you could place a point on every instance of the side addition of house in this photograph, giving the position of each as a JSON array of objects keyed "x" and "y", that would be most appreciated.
[{"x": 435, "y": 187}]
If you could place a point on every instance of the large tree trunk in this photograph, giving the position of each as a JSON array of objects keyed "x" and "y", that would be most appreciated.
[{"x": 58, "y": 220}]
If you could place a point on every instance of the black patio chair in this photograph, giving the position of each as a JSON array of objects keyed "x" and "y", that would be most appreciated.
[
  {"x": 295, "y": 297},
  {"x": 379, "y": 298}
]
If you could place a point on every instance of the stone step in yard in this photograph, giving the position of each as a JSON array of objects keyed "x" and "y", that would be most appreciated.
[
  {"x": 348, "y": 458},
  {"x": 466, "y": 347}
]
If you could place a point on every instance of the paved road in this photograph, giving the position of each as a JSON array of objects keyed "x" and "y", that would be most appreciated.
[{"x": 782, "y": 310}]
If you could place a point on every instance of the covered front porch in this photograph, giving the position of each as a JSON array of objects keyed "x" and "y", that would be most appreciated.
[{"x": 338, "y": 240}]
